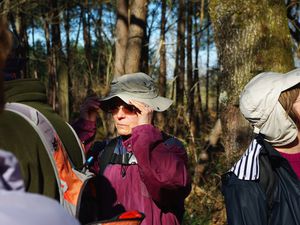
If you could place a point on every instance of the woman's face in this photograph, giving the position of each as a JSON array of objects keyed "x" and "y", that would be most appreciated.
[
  {"x": 125, "y": 117},
  {"x": 296, "y": 108}
]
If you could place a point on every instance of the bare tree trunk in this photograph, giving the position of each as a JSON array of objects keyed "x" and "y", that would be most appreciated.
[
  {"x": 207, "y": 69},
  {"x": 162, "y": 84},
  {"x": 69, "y": 59},
  {"x": 21, "y": 28},
  {"x": 179, "y": 72},
  {"x": 190, "y": 81},
  {"x": 101, "y": 66},
  {"x": 56, "y": 45},
  {"x": 50, "y": 67},
  {"x": 87, "y": 43},
  {"x": 176, "y": 69},
  {"x": 145, "y": 48},
  {"x": 198, "y": 112},
  {"x": 33, "y": 70},
  {"x": 59, "y": 81},
  {"x": 199, "y": 95},
  {"x": 136, "y": 36},
  {"x": 247, "y": 43},
  {"x": 121, "y": 37},
  {"x": 181, "y": 52}
]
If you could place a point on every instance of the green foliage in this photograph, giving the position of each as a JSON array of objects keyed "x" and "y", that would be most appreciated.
[
  {"x": 196, "y": 219},
  {"x": 205, "y": 204}
]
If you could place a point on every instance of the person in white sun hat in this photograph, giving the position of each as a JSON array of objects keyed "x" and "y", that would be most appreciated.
[
  {"x": 263, "y": 187},
  {"x": 143, "y": 168}
]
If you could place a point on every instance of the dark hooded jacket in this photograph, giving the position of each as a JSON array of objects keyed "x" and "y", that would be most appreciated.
[{"x": 272, "y": 197}]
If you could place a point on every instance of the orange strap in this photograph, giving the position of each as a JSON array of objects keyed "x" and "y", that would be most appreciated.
[{"x": 70, "y": 183}]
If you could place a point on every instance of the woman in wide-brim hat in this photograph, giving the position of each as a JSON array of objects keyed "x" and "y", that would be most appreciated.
[{"x": 147, "y": 169}]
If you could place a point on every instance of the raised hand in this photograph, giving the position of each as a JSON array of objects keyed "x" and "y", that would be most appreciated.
[
  {"x": 145, "y": 113},
  {"x": 89, "y": 108}
]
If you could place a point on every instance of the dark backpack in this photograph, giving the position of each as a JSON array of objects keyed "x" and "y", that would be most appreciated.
[
  {"x": 76, "y": 187},
  {"x": 105, "y": 152}
]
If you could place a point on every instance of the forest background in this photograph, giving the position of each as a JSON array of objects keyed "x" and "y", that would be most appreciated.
[{"x": 200, "y": 52}]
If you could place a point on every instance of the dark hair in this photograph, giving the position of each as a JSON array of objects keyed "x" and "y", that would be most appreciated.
[
  {"x": 287, "y": 99},
  {"x": 5, "y": 46},
  {"x": 5, "y": 41}
]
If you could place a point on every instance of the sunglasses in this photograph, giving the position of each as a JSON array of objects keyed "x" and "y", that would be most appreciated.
[{"x": 126, "y": 107}]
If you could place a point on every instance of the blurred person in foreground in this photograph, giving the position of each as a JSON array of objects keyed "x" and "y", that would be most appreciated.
[
  {"x": 16, "y": 206},
  {"x": 147, "y": 170},
  {"x": 263, "y": 187}
]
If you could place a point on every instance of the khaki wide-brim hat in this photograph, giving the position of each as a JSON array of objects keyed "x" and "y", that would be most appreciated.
[
  {"x": 139, "y": 87},
  {"x": 260, "y": 106}
]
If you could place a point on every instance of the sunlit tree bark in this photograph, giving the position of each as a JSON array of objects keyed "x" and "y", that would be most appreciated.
[
  {"x": 248, "y": 43},
  {"x": 121, "y": 37},
  {"x": 138, "y": 11}
]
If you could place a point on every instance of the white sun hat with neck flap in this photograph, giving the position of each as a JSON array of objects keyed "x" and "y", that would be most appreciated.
[
  {"x": 139, "y": 87},
  {"x": 260, "y": 106}
]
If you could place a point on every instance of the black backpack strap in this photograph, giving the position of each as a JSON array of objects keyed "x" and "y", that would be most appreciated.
[
  {"x": 268, "y": 180},
  {"x": 105, "y": 156},
  {"x": 166, "y": 136}
]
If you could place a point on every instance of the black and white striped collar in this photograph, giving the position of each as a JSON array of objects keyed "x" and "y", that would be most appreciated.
[{"x": 247, "y": 168}]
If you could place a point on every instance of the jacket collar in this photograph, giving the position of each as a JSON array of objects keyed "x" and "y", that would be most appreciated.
[{"x": 248, "y": 167}]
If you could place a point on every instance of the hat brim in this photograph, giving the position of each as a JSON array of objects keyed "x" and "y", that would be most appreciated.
[
  {"x": 292, "y": 78},
  {"x": 158, "y": 103}
]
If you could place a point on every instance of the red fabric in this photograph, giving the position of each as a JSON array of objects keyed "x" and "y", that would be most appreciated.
[
  {"x": 131, "y": 215},
  {"x": 294, "y": 160}
]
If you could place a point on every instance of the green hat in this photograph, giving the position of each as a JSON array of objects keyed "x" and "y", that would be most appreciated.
[{"x": 139, "y": 87}]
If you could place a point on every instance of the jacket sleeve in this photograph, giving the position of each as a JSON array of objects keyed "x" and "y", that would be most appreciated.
[
  {"x": 162, "y": 164},
  {"x": 86, "y": 131},
  {"x": 245, "y": 202}
]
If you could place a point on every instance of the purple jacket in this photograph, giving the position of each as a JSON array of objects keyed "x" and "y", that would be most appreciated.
[{"x": 157, "y": 185}]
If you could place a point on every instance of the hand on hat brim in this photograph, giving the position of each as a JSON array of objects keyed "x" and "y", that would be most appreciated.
[{"x": 145, "y": 113}]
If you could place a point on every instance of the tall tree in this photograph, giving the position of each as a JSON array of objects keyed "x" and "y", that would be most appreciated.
[
  {"x": 130, "y": 35},
  {"x": 138, "y": 12},
  {"x": 69, "y": 57},
  {"x": 247, "y": 43},
  {"x": 60, "y": 78},
  {"x": 163, "y": 63},
  {"x": 144, "y": 61},
  {"x": 85, "y": 15},
  {"x": 179, "y": 71},
  {"x": 181, "y": 54},
  {"x": 198, "y": 112},
  {"x": 207, "y": 66},
  {"x": 121, "y": 37},
  {"x": 19, "y": 24},
  {"x": 190, "y": 81}
]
